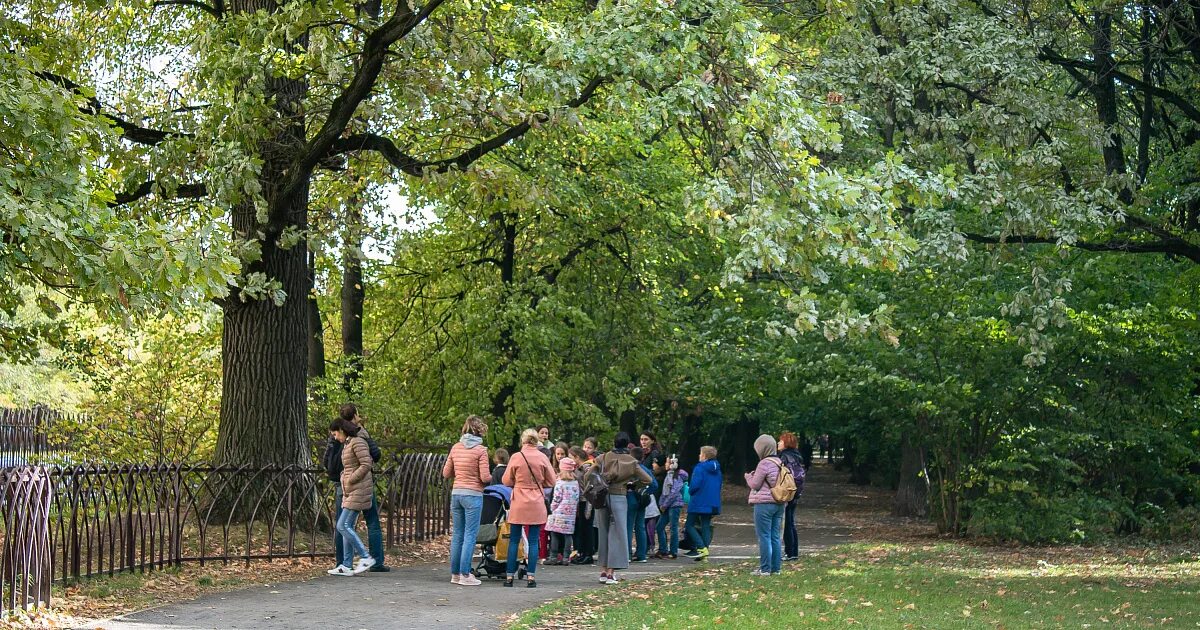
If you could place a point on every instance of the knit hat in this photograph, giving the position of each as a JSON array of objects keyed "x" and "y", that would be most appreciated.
[
  {"x": 765, "y": 446},
  {"x": 566, "y": 464}
]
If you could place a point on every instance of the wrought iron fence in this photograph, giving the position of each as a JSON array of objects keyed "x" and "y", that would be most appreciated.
[
  {"x": 67, "y": 523},
  {"x": 26, "y": 436}
]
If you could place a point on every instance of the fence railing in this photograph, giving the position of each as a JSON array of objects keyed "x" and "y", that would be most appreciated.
[
  {"x": 67, "y": 523},
  {"x": 26, "y": 436}
]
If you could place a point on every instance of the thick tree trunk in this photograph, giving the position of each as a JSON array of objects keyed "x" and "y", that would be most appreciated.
[
  {"x": 264, "y": 402},
  {"x": 912, "y": 493}
]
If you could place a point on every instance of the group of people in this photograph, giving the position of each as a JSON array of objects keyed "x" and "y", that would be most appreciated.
[{"x": 646, "y": 495}]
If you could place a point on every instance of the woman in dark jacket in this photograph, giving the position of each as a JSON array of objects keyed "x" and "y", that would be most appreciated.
[
  {"x": 585, "y": 528},
  {"x": 794, "y": 460}
]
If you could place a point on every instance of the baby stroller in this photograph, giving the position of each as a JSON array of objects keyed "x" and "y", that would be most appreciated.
[{"x": 494, "y": 535}]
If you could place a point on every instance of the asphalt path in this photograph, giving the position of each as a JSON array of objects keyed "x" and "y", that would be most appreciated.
[{"x": 422, "y": 597}]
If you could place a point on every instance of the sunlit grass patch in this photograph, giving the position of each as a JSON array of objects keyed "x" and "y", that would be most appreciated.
[{"x": 911, "y": 586}]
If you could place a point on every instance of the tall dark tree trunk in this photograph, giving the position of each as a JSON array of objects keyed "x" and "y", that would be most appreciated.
[
  {"x": 689, "y": 441},
  {"x": 912, "y": 492},
  {"x": 502, "y": 398},
  {"x": 1104, "y": 91},
  {"x": 628, "y": 423},
  {"x": 316, "y": 330},
  {"x": 353, "y": 299},
  {"x": 264, "y": 414},
  {"x": 1146, "y": 119},
  {"x": 737, "y": 451}
]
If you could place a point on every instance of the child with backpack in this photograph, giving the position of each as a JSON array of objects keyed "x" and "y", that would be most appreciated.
[
  {"x": 771, "y": 488},
  {"x": 563, "y": 509}
]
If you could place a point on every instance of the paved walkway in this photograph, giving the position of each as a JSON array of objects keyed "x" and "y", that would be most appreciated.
[{"x": 422, "y": 597}]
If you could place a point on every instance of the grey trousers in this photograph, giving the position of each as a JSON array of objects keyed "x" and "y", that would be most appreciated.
[{"x": 613, "y": 531}]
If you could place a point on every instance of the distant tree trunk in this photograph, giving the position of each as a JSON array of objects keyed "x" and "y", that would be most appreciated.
[
  {"x": 353, "y": 300},
  {"x": 502, "y": 397},
  {"x": 912, "y": 493},
  {"x": 690, "y": 443},
  {"x": 1104, "y": 91},
  {"x": 628, "y": 423},
  {"x": 739, "y": 447},
  {"x": 316, "y": 336}
]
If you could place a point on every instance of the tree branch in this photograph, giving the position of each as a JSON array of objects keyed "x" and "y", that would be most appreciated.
[
  {"x": 412, "y": 166},
  {"x": 215, "y": 11},
  {"x": 1174, "y": 246},
  {"x": 374, "y": 53},
  {"x": 147, "y": 188},
  {"x": 1184, "y": 105},
  {"x": 129, "y": 131}
]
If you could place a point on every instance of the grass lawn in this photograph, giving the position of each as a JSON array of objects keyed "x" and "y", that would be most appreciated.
[{"x": 940, "y": 585}]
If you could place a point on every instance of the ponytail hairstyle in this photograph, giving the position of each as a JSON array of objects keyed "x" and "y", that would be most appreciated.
[{"x": 475, "y": 426}]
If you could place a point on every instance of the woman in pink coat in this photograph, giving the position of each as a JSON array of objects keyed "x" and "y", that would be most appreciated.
[{"x": 529, "y": 474}]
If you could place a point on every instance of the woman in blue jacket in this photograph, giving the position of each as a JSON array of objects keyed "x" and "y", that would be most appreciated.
[{"x": 705, "y": 490}]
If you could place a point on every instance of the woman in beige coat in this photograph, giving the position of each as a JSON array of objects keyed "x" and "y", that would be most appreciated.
[{"x": 357, "y": 489}]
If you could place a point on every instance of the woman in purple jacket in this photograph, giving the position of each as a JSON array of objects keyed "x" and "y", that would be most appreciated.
[{"x": 768, "y": 515}]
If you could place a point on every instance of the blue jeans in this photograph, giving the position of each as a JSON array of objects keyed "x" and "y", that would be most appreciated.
[
  {"x": 768, "y": 524},
  {"x": 464, "y": 511},
  {"x": 669, "y": 518},
  {"x": 374, "y": 531},
  {"x": 699, "y": 529},
  {"x": 345, "y": 526},
  {"x": 514, "y": 542},
  {"x": 636, "y": 527}
]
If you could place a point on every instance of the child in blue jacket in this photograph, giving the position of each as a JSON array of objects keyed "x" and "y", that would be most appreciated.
[{"x": 705, "y": 488}]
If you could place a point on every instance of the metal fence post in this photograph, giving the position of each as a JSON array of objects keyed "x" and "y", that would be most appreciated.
[{"x": 27, "y": 569}]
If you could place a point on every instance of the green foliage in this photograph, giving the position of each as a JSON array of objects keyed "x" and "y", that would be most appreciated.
[{"x": 157, "y": 391}]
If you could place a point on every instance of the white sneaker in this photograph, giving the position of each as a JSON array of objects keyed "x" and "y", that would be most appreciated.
[
  {"x": 364, "y": 564},
  {"x": 340, "y": 569},
  {"x": 758, "y": 572},
  {"x": 611, "y": 580},
  {"x": 469, "y": 580},
  {"x": 454, "y": 579}
]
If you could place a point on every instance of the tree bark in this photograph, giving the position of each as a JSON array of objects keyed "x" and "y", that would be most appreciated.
[
  {"x": 1104, "y": 91},
  {"x": 912, "y": 493},
  {"x": 353, "y": 300},
  {"x": 316, "y": 337},
  {"x": 509, "y": 351},
  {"x": 264, "y": 402}
]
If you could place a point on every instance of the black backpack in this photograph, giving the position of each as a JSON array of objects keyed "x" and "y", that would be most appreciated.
[
  {"x": 643, "y": 495},
  {"x": 593, "y": 487}
]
